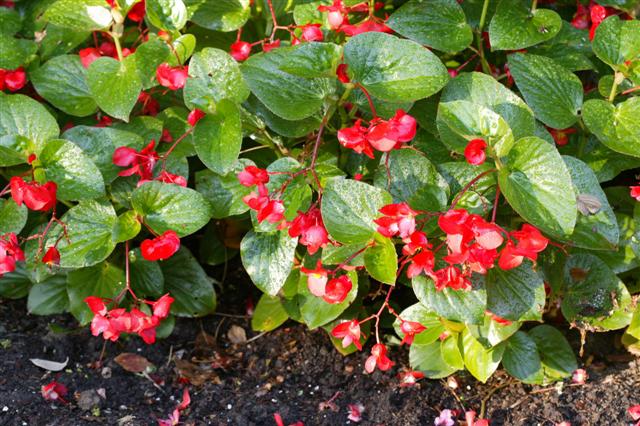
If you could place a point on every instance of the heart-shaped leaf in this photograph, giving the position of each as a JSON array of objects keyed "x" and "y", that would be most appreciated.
[
  {"x": 79, "y": 15},
  {"x": 513, "y": 293},
  {"x": 219, "y": 15},
  {"x": 218, "y": 137},
  {"x": 617, "y": 41},
  {"x": 454, "y": 305},
  {"x": 12, "y": 217},
  {"x": 114, "y": 85},
  {"x": 515, "y": 26},
  {"x": 101, "y": 280},
  {"x": 617, "y": 126}
]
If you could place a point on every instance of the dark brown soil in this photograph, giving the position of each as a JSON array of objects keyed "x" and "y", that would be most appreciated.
[{"x": 289, "y": 371}]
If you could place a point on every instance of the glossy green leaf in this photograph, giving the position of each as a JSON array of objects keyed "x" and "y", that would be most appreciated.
[
  {"x": 268, "y": 259},
  {"x": 521, "y": 359},
  {"x": 335, "y": 255},
  {"x": 165, "y": 206},
  {"x": 269, "y": 314},
  {"x": 287, "y": 128},
  {"x": 512, "y": 293},
  {"x": 570, "y": 48},
  {"x": 414, "y": 180},
  {"x": 49, "y": 297},
  {"x": 594, "y": 297},
  {"x": 286, "y": 95},
  {"x": 167, "y": 14},
  {"x": 25, "y": 126},
  {"x": 515, "y": 27},
  {"x": 219, "y": 15},
  {"x": 458, "y": 174},
  {"x": 188, "y": 283},
  {"x": 427, "y": 358},
  {"x": 12, "y": 217},
  {"x": 218, "y": 137},
  {"x": 381, "y": 261},
  {"x": 617, "y": 41},
  {"x": 461, "y": 121},
  {"x": 536, "y": 183},
  {"x": 558, "y": 360},
  {"x": 484, "y": 90},
  {"x": 101, "y": 280},
  {"x": 454, "y": 305},
  {"x": 147, "y": 278},
  {"x": 90, "y": 231},
  {"x": 77, "y": 177},
  {"x": 440, "y": 24},
  {"x": 214, "y": 75},
  {"x": 596, "y": 226},
  {"x": 349, "y": 208},
  {"x": 418, "y": 313},
  {"x": 114, "y": 85},
  {"x": 127, "y": 227},
  {"x": 79, "y": 15},
  {"x": 16, "y": 284},
  {"x": 62, "y": 81},
  {"x": 615, "y": 126},
  {"x": 313, "y": 60},
  {"x": 491, "y": 332},
  {"x": 224, "y": 193},
  {"x": 553, "y": 92},
  {"x": 380, "y": 62},
  {"x": 148, "y": 56},
  {"x": 480, "y": 362}
]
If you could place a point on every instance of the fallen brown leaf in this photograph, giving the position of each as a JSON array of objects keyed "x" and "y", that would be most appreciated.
[
  {"x": 197, "y": 374},
  {"x": 132, "y": 362}
]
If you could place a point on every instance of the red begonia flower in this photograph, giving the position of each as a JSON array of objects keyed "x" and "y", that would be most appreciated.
[
  {"x": 378, "y": 359},
  {"x": 240, "y": 50},
  {"x": 141, "y": 162},
  {"x": 252, "y": 175},
  {"x": 561, "y": 136},
  {"x": 341, "y": 72},
  {"x": 369, "y": 25},
  {"x": 162, "y": 306},
  {"x": 10, "y": 253},
  {"x": 54, "y": 391},
  {"x": 349, "y": 332},
  {"x": 51, "y": 257},
  {"x": 399, "y": 219},
  {"x": 267, "y": 47},
  {"x": 137, "y": 12},
  {"x": 173, "y": 78},
  {"x": 310, "y": 228},
  {"x": 410, "y": 329},
  {"x": 167, "y": 177},
  {"x": 385, "y": 135},
  {"x": 355, "y": 138},
  {"x": 195, "y": 116},
  {"x": 475, "y": 152},
  {"x": 162, "y": 247},
  {"x": 635, "y": 192},
  {"x": 337, "y": 289},
  {"x": 453, "y": 278},
  {"x": 37, "y": 197},
  {"x": 13, "y": 80},
  {"x": 312, "y": 32}
]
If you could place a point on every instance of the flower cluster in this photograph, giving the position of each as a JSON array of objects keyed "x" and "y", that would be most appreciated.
[
  {"x": 382, "y": 135},
  {"x": 333, "y": 290},
  {"x": 10, "y": 253},
  {"x": 173, "y": 78},
  {"x": 36, "y": 196},
  {"x": 338, "y": 17},
  {"x": 268, "y": 209},
  {"x": 111, "y": 323},
  {"x": 12, "y": 80},
  {"x": 310, "y": 228}
]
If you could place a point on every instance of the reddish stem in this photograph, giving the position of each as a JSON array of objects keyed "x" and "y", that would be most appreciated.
[
  {"x": 368, "y": 96},
  {"x": 495, "y": 205},
  {"x": 469, "y": 185}
]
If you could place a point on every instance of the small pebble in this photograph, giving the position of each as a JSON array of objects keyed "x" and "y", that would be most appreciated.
[{"x": 229, "y": 406}]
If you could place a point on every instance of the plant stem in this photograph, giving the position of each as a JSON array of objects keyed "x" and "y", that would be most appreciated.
[
  {"x": 116, "y": 41},
  {"x": 534, "y": 5},
  {"x": 483, "y": 16},
  {"x": 469, "y": 185},
  {"x": 614, "y": 88}
]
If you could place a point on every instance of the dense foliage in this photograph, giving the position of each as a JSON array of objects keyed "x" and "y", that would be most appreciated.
[{"x": 457, "y": 171}]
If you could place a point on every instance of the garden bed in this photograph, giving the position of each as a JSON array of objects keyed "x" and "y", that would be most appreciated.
[{"x": 288, "y": 371}]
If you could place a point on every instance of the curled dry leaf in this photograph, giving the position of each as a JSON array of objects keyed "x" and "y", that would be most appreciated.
[{"x": 132, "y": 362}]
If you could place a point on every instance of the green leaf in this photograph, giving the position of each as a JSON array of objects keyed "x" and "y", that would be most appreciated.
[
  {"x": 617, "y": 41},
  {"x": 90, "y": 230},
  {"x": 101, "y": 280},
  {"x": 218, "y": 137},
  {"x": 536, "y": 183},
  {"x": 12, "y": 217},
  {"x": 414, "y": 179},
  {"x": 166, "y": 206},
  {"x": 596, "y": 226},
  {"x": 114, "y": 85},
  {"x": 148, "y": 56},
  {"x": 483, "y": 90},
  {"x": 214, "y": 75},
  {"x": 594, "y": 297},
  {"x": 63, "y": 82},
  {"x": 147, "y": 278},
  {"x": 570, "y": 48},
  {"x": 224, "y": 193},
  {"x": 77, "y": 177},
  {"x": 480, "y": 362},
  {"x": 287, "y": 128},
  {"x": 458, "y": 174},
  {"x": 183, "y": 47},
  {"x": 127, "y": 226},
  {"x": 491, "y": 333},
  {"x": 99, "y": 143},
  {"x": 335, "y": 255},
  {"x": 187, "y": 282},
  {"x": 515, "y": 27},
  {"x": 79, "y": 15},
  {"x": 451, "y": 352},
  {"x": 313, "y": 60},
  {"x": 25, "y": 126},
  {"x": 521, "y": 359},
  {"x": 380, "y": 62},
  {"x": 440, "y": 24},
  {"x": 418, "y": 313},
  {"x": 286, "y": 95},
  {"x": 427, "y": 358},
  {"x": 553, "y": 92},
  {"x": 268, "y": 259},
  {"x": 349, "y": 208},
  {"x": 558, "y": 360},
  {"x": 16, "y": 284},
  {"x": 15, "y": 51},
  {"x": 167, "y": 14},
  {"x": 461, "y": 121},
  {"x": 381, "y": 261},
  {"x": 454, "y": 305},
  {"x": 219, "y": 15},
  {"x": 269, "y": 314},
  {"x": 615, "y": 126},
  {"x": 513, "y": 293},
  {"x": 315, "y": 311},
  {"x": 49, "y": 297}
]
